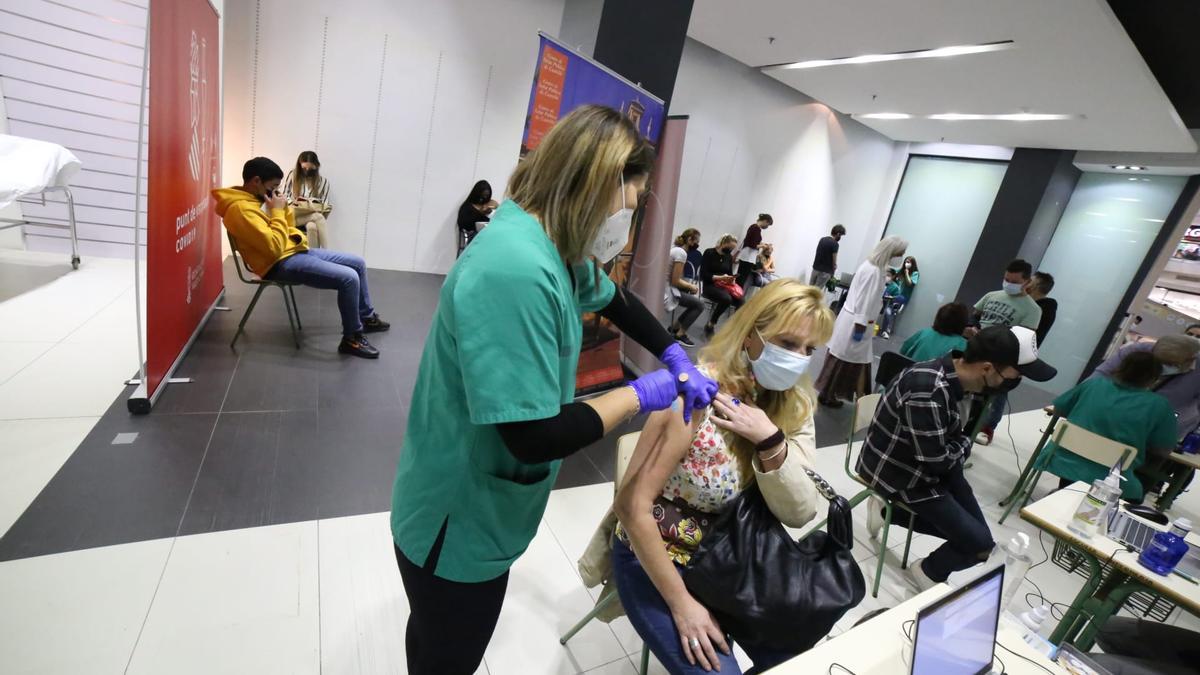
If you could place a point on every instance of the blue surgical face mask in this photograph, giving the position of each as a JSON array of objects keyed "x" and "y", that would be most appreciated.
[
  {"x": 776, "y": 368},
  {"x": 1013, "y": 289}
]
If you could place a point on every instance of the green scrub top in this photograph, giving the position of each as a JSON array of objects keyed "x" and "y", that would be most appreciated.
[
  {"x": 1139, "y": 418},
  {"x": 503, "y": 347},
  {"x": 927, "y": 344}
]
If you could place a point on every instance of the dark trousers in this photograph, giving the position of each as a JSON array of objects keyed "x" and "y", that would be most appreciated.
[
  {"x": 450, "y": 623},
  {"x": 1141, "y": 647},
  {"x": 692, "y": 307},
  {"x": 721, "y": 302},
  {"x": 956, "y": 517}
]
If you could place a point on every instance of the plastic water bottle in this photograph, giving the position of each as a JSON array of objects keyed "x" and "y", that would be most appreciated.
[
  {"x": 1191, "y": 443},
  {"x": 1032, "y": 622},
  {"x": 1167, "y": 548},
  {"x": 1017, "y": 562}
]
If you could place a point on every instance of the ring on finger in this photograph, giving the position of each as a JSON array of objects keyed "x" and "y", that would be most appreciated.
[{"x": 693, "y": 642}]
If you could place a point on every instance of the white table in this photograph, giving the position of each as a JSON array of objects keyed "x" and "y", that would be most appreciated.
[
  {"x": 876, "y": 647},
  {"x": 1101, "y": 600}
]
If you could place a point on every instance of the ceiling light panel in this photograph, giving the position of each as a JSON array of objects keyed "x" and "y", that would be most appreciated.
[{"x": 939, "y": 52}]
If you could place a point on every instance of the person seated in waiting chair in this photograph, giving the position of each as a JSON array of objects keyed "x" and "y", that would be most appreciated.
[
  {"x": 1120, "y": 408},
  {"x": 915, "y": 447},
  {"x": 759, "y": 429},
  {"x": 264, "y": 227},
  {"x": 944, "y": 337}
]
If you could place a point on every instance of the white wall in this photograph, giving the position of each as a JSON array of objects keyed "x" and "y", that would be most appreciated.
[
  {"x": 407, "y": 103},
  {"x": 755, "y": 145},
  {"x": 71, "y": 74}
]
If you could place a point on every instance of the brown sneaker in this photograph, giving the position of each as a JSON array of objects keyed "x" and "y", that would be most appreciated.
[
  {"x": 374, "y": 324},
  {"x": 358, "y": 346}
]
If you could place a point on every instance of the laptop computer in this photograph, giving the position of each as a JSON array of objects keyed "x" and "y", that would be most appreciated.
[{"x": 957, "y": 634}]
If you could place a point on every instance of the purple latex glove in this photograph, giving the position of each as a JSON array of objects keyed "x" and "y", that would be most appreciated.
[
  {"x": 697, "y": 389},
  {"x": 655, "y": 390}
]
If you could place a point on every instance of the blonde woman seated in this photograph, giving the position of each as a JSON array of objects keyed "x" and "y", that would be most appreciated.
[{"x": 759, "y": 428}]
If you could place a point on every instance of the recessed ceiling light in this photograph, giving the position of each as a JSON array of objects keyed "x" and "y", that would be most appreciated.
[
  {"x": 971, "y": 117},
  {"x": 939, "y": 52},
  {"x": 1123, "y": 167}
]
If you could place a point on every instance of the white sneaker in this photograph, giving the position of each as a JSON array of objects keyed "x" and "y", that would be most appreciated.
[
  {"x": 875, "y": 508},
  {"x": 916, "y": 577}
]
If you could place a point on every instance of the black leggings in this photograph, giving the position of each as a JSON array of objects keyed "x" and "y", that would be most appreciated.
[
  {"x": 451, "y": 622},
  {"x": 721, "y": 302}
]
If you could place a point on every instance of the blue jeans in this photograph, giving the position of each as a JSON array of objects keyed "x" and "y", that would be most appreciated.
[
  {"x": 955, "y": 517},
  {"x": 344, "y": 272},
  {"x": 651, "y": 618},
  {"x": 891, "y": 308}
]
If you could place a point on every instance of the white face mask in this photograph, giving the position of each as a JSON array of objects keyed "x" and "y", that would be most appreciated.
[
  {"x": 1012, "y": 289},
  {"x": 614, "y": 233},
  {"x": 778, "y": 369},
  {"x": 908, "y": 266}
]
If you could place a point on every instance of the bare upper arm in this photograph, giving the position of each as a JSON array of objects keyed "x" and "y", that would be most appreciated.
[{"x": 662, "y": 446}]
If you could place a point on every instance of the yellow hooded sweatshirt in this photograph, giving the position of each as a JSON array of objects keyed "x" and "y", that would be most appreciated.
[{"x": 262, "y": 240}]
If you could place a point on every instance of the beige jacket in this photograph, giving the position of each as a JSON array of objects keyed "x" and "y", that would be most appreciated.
[{"x": 789, "y": 492}]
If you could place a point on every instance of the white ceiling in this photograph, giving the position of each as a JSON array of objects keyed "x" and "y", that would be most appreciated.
[{"x": 1071, "y": 56}]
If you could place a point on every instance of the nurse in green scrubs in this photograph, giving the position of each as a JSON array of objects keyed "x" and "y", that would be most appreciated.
[
  {"x": 1121, "y": 408},
  {"x": 493, "y": 409}
]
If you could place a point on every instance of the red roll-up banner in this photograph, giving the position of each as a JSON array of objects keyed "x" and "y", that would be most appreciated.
[{"x": 183, "y": 254}]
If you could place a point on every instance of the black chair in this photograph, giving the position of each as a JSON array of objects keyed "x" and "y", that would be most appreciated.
[
  {"x": 289, "y": 296},
  {"x": 891, "y": 364}
]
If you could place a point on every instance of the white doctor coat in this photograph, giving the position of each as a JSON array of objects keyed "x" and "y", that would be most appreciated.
[{"x": 863, "y": 303}]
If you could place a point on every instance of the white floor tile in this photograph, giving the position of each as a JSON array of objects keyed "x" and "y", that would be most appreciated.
[
  {"x": 622, "y": 666},
  {"x": 69, "y": 380},
  {"x": 545, "y": 598},
  {"x": 31, "y": 452},
  {"x": 113, "y": 326},
  {"x": 14, "y": 356},
  {"x": 242, "y": 601},
  {"x": 52, "y": 311},
  {"x": 77, "y": 612},
  {"x": 573, "y": 514},
  {"x": 363, "y": 606}
]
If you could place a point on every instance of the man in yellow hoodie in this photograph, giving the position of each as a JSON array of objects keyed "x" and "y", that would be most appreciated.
[{"x": 264, "y": 226}]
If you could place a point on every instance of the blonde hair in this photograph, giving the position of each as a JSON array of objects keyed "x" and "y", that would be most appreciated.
[
  {"x": 779, "y": 307},
  {"x": 683, "y": 237},
  {"x": 725, "y": 239},
  {"x": 569, "y": 181},
  {"x": 886, "y": 249},
  {"x": 1175, "y": 349}
]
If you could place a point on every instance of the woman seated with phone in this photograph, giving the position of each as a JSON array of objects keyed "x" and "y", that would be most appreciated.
[
  {"x": 308, "y": 193},
  {"x": 719, "y": 283},
  {"x": 758, "y": 430}
]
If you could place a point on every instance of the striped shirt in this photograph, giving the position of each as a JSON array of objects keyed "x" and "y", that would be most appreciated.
[
  {"x": 321, "y": 194},
  {"x": 916, "y": 436}
]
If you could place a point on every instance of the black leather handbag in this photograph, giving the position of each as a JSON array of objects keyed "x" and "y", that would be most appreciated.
[{"x": 765, "y": 588}]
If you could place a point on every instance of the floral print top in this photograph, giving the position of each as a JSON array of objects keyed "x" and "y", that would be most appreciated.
[{"x": 699, "y": 489}]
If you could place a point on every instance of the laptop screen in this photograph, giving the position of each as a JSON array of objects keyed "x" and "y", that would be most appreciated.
[{"x": 957, "y": 634}]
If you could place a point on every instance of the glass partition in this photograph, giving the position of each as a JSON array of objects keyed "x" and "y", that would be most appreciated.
[
  {"x": 1102, "y": 239},
  {"x": 941, "y": 207}
]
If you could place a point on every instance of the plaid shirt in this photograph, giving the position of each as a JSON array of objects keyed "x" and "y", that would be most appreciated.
[{"x": 916, "y": 436}]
